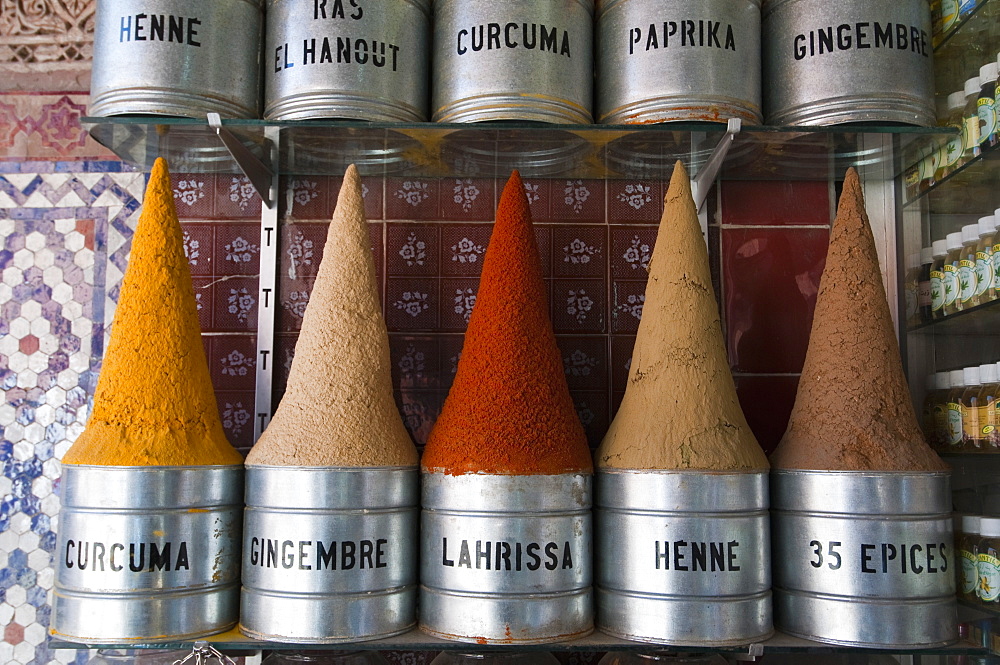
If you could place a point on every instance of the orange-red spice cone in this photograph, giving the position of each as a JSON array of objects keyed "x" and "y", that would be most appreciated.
[
  {"x": 154, "y": 404},
  {"x": 852, "y": 409},
  {"x": 509, "y": 410}
]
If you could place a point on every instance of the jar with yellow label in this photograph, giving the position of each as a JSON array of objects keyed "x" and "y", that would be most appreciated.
[
  {"x": 988, "y": 562},
  {"x": 972, "y": 436},
  {"x": 989, "y": 419},
  {"x": 967, "y": 544}
]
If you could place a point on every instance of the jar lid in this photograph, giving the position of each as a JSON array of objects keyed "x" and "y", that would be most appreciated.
[
  {"x": 972, "y": 86},
  {"x": 957, "y": 377},
  {"x": 956, "y": 100},
  {"x": 970, "y": 233},
  {"x": 970, "y": 376},
  {"x": 987, "y": 225},
  {"x": 954, "y": 240},
  {"x": 971, "y": 523},
  {"x": 927, "y": 255},
  {"x": 942, "y": 380},
  {"x": 939, "y": 248},
  {"x": 989, "y": 527},
  {"x": 987, "y": 73},
  {"x": 988, "y": 373}
]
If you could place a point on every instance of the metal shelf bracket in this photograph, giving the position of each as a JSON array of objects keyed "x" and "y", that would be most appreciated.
[
  {"x": 259, "y": 173},
  {"x": 702, "y": 182}
]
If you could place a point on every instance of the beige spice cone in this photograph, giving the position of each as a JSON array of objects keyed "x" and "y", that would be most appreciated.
[
  {"x": 680, "y": 409},
  {"x": 852, "y": 409},
  {"x": 338, "y": 408}
]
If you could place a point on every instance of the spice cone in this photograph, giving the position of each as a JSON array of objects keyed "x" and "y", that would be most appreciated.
[
  {"x": 154, "y": 404},
  {"x": 680, "y": 409},
  {"x": 509, "y": 410},
  {"x": 852, "y": 409},
  {"x": 338, "y": 408}
]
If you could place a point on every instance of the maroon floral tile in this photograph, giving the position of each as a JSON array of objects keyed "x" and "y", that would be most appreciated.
[
  {"x": 774, "y": 202},
  {"x": 627, "y": 300},
  {"x": 235, "y": 304},
  {"x": 412, "y": 198},
  {"x": 237, "y": 248},
  {"x": 236, "y": 410},
  {"x": 634, "y": 201},
  {"x": 537, "y": 191},
  {"x": 767, "y": 403},
  {"x": 409, "y": 657},
  {"x": 592, "y": 409},
  {"x": 301, "y": 249},
  {"x": 293, "y": 298},
  {"x": 463, "y": 247},
  {"x": 411, "y": 304},
  {"x": 631, "y": 251},
  {"x": 236, "y": 197},
  {"x": 579, "y": 657},
  {"x": 467, "y": 199},
  {"x": 450, "y": 352},
  {"x": 543, "y": 239},
  {"x": 306, "y": 197},
  {"x": 414, "y": 362},
  {"x": 585, "y": 361},
  {"x": 621, "y": 361},
  {"x": 199, "y": 241},
  {"x": 203, "y": 294},
  {"x": 232, "y": 362},
  {"x": 412, "y": 249},
  {"x": 419, "y": 409},
  {"x": 194, "y": 195},
  {"x": 579, "y": 305},
  {"x": 458, "y": 297},
  {"x": 376, "y": 234},
  {"x": 579, "y": 251},
  {"x": 770, "y": 281},
  {"x": 577, "y": 200}
]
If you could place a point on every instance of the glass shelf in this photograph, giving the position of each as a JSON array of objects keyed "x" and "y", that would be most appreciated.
[
  {"x": 493, "y": 149},
  {"x": 970, "y": 189},
  {"x": 969, "y": 44},
  {"x": 415, "y": 640},
  {"x": 979, "y": 321}
]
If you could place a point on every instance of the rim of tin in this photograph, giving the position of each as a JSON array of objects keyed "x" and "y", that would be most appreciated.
[
  {"x": 681, "y": 491},
  {"x": 861, "y": 493},
  {"x": 604, "y": 6},
  {"x": 170, "y": 102},
  {"x": 883, "y": 108},
  {"x": 331, "y": 105},
  {"x": 497, "y": 153},
  {"x": 564, "y": 493},
  {"x": 682, "y": 108},
  {"x": 422, "y": 5},
  {"x": 332, "y": 488},
  {"x": 299, "y": 639},
  {"x": 152, "y": 487},
  {"x": 489, "y": 107}
]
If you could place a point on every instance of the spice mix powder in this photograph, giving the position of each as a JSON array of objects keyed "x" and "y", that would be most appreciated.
[
  {"x": 680, "y": 409},
  {"x": 509, "y": 410},
  {"x": 338, "y": 408},
  {"x": 154, "y": 404},
  {"x": 852, "y": 410}
]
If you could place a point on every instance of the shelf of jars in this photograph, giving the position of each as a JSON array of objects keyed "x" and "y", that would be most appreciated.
[
  {"x": 233, "y": 642},
  {"x": 964, "y": 46},
  {"x": 965, "y": 190},
  {"x": 537, "y": 150}
]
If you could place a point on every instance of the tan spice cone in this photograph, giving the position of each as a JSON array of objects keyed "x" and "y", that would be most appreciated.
[
  {"x": 680, "y": 409},
  {"x": 338, "y": 408},
  {"x": 852, "y": 409},
  {"x": 154, "y": 404}
]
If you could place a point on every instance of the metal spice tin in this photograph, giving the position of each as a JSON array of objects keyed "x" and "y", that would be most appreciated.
[
  {"x": 177, "y": 57},
  {"x": 148, "y": 553},
  {"x": 506, "y": 559},
  {"x": 864, "y": 558},
  {"x": 513, "y": 60},
  {"x": 329, "y": 554},
  {"x": 356, "y": 59},
  {"x": 683, "y": 557},
  {"x": 663, "y": 60},
  {"x": 850, "y": 61}
]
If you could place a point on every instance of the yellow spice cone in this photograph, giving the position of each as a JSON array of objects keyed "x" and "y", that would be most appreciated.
[
  {"x": 338, "y": 408},
  {"x": 852, "y": 409},
  {"x": 680, "y": 409},
  {"x": 154, "y": 404}
]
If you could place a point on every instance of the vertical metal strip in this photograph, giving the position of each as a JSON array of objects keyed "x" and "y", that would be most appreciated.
[{"x": 267, "y": 294}]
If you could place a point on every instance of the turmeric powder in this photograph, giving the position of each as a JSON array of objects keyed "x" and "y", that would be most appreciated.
[
  {"x": 680, "y": 409},
  {"x": 154, "y": 404}
]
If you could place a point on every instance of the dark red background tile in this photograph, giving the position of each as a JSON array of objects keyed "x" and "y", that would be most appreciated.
[
  {"x": 771, "y": 277},
  {"x": 767, "y": 402},
  {"x": 771, "y": 202}
]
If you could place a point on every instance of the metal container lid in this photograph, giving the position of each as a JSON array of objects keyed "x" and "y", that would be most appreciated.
[
  {"x": 954, "y": 240},
  {"x": 970, "y": 375},
  {"x": 970, "y": 524},
  {"x": 989, "y": 527},
  {"x": 939, "y": 248}
]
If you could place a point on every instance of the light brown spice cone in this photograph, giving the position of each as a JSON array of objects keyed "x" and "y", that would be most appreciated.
[
  {"x": 154, "y": 404},
  {"x": 680, "y": 409},
  {"x": 338, "y": 408},
  {"x": 852, "y": 409}
]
